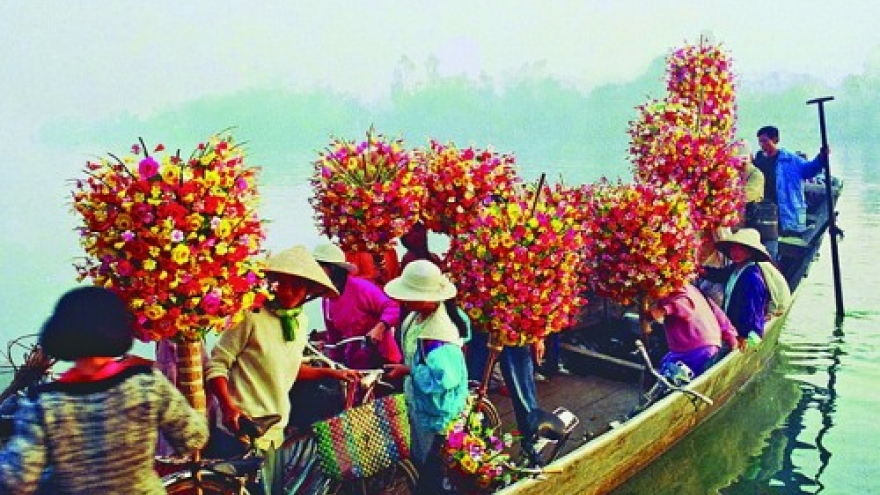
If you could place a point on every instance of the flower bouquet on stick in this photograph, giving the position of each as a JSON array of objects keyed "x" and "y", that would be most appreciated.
[
  {"x": 520, "y": 269},
  {"x": 643, "y": 242},
  {"x": 687, "y": 138},
  {"x": 177, "y": 239},
  {"x": 366, "y": 194},
  {"x": 702, "y": 76},
  {"x": 458, "y": 181}
]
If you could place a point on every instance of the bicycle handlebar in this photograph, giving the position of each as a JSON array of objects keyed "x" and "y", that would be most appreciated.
[{"x": 662, "y": 379}]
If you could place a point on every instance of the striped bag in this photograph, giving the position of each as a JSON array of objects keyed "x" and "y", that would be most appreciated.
[{"x": 362, "y": 441}]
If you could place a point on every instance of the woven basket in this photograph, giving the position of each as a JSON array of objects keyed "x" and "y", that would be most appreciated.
[{"x": 362, "y": 441}]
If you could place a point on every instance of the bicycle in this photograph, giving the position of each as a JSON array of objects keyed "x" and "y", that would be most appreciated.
[{"x": 219, "y": 476}]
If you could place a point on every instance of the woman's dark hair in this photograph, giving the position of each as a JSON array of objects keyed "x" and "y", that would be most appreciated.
[
  {"x": 337, "y": 275},
  {"x": 88, "y": 322},
  {"x": 454, "y": 315}
]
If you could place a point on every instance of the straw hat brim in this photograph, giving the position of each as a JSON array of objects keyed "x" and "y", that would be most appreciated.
[
  {"x": 401, "y": 290},
  {"x": 759, "y": 253},
  {"x": 298, "y": 262}
]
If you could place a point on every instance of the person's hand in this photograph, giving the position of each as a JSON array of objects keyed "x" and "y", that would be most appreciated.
[
  {"x": 349, "y": 376},
  {"x": 377, "y": 333},
  {"x": 538, "y": 348},
  {"x": 394, "y": 371},
  {"x": 230, "y": 413}
]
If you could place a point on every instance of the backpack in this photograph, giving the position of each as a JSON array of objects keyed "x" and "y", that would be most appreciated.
[{"x": 780, "y": 293}]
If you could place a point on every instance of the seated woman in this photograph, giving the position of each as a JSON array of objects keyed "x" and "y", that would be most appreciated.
[
  {"x": 745, "y": 292},
  {"x": 695, "y": 328},
  {"x": 361, "y": 309}
]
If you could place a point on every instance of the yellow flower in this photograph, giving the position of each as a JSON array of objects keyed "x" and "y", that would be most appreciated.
[
  {"x": 224, "y": 229},
  {"x": 180, "y": 254},
  {"x": 154, "y": 312},
  {"x": 149, "y": 264},
  {"x": 171, "y": 174}
]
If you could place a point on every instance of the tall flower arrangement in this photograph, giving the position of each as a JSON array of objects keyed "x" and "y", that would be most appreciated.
[
  {"x": 702, "y": 75},
  {"x": 174, "y": 237},
  {"x": 367, "y": 193},
  {"x": 643, "y": 243},
  {"x": 519, "y": 268},
  {"x": 687, "y": 137},
  {"x": 459, "y": 180}
]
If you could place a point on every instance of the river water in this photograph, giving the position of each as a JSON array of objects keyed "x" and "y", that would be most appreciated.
[{"x": 807, "y": 426}]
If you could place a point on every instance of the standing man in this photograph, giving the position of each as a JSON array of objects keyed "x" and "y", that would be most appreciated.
[{"x": 784, "y": 173}]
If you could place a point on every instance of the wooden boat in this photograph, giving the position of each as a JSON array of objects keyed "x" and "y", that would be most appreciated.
[{"x": 608, "y": 447}]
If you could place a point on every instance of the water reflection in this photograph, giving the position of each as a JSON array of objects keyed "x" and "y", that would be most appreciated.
[{"x": 814, "y": 397}]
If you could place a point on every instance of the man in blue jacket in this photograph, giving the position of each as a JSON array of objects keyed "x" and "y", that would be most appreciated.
[{"x": 784, "y": 175}]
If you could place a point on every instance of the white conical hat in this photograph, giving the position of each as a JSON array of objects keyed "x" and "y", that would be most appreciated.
[{"x": 749, "y": 238}]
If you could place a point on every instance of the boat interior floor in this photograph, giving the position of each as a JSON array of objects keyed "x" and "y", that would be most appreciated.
[{"x": 596, "y": 401}]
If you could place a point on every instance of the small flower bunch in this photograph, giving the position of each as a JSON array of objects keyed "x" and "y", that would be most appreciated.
[
  {"x": 459, "y": 181},
  {"x": 175, "y": 238},
  {"x": 476, "y": 455},
  {"x": 366, "y": 194},
  {"x": 653, "y": 118},
  {"x": 520, "y": 268},
  {"x": 702, "y": 75},
  {"x": 644, "y": 244}
]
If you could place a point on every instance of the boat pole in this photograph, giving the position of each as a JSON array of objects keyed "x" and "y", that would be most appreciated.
[{"x": 833, "y": 231}]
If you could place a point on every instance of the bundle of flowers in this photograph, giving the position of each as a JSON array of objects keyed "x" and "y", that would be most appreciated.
[
  {"x": 702, "y": 75},
  {"x": 175, "y": 238},
  {"x": 460, "y": 180},
  {"x": 476, "y": 455},
  {"x": 520, "y": 268},
  {"x": 704, "y": 167},
  {"x": 652, "y": 119},
  {"x": 366, "y": 194},
  {"x": 643, "y": 241}
]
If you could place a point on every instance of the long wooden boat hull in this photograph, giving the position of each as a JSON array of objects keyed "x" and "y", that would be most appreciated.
[{"x": 604, "y": 463}]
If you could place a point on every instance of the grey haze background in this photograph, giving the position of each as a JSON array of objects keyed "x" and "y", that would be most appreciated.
[{"x": 553, "y": 82}]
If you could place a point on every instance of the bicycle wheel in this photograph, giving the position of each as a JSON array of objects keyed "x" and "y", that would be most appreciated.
[
  {"x": 209, "y": 485},
  {"x": 399, "y": 479},
  {"x": 491, "y": 418}
]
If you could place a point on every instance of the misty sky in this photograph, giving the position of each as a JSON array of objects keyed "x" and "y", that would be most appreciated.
[{"x": 77, "y": 57}]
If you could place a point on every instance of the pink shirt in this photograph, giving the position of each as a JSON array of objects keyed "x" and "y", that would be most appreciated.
[
  {"x": 358, "y": 309},
  {"x": 692, "y": 321}
]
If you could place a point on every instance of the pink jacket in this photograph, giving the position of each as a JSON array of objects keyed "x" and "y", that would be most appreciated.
[{"x": 693, "y": 321}]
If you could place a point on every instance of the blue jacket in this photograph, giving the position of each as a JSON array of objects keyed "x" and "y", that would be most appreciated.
[{"x": 791, "y": 171}]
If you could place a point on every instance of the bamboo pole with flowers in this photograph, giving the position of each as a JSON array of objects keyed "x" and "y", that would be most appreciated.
[
  {"x": 366, "y": 194},
  {"x": 687, "y": 138},
  {"x": 644, "y": 244},
  {"x": 520, "y": 274},
  {"x": 177, "y": 240}
]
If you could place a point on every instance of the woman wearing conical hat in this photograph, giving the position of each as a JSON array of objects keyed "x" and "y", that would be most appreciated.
[{"x": 745, "y": 292}]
